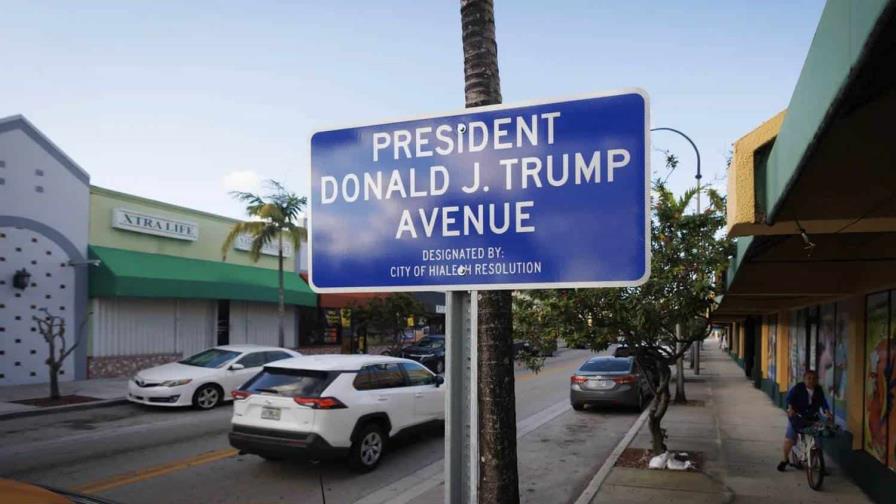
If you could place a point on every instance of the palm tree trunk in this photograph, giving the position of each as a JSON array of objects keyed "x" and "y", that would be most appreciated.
[
  {"x": 498, "y": 476},
  {"x": 281, "y": 309}
]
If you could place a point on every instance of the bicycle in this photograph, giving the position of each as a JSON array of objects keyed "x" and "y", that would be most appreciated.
[{"x": 807, "y": 451}]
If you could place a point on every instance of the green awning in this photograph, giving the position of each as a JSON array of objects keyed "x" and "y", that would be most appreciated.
[{"x": 126, "y": 273}]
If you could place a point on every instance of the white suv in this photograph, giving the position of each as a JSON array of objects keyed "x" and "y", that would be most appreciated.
[{"x": 328, "y": 406}]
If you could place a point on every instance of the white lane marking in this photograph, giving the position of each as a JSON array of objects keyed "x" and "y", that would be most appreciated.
[
  {"x": 604, "y": 471},
  {"x": 410, "y": 487}
]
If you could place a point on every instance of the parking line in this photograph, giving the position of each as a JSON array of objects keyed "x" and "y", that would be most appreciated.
[{"x": 156, "y": 471}]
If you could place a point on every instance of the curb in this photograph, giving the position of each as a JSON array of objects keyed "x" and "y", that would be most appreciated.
[
  {"x": 605, "y": 469},
  {"x": 63, "y": 409}
]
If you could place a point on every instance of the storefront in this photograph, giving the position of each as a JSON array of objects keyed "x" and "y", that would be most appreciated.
[
  {"x": 137, "y": 282},
  {"x": 162, "y": 290},
  {"x": 811, "y": 205}
]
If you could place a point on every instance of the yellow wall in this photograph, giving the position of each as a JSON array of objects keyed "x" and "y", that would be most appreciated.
[
  {"x": 855, "y": 372},
  {"x": 741, "y": 175},
  {"x": 741, "y": 344},
  {"x": 782, "y": 354}
]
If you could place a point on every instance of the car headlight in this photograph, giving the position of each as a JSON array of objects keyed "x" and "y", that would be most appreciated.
[{"x": 175, "y": 383}]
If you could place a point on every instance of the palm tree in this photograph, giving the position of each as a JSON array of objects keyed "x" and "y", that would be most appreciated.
[
  {"x": 498, "y": 476},
  {"x": 273, "y": 217}
]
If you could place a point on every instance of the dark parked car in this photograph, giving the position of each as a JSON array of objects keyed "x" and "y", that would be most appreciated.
[
  {"x": 429, "y": 351},
  {"x": 608, "y": 380}
]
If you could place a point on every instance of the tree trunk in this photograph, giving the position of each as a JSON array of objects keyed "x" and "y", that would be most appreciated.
[
  {"x": 498, "y": 476},
  {"x": 54, "y": 382},
  {"x": 679, "y": 369},
  {"x": 281, "y": 309},
  {"x": 658, "y": 406}
]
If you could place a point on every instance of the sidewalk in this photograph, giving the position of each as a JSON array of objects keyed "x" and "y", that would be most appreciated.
[
  {"x": 740, "y": 433},
  {"x": 107, "y": 390}
]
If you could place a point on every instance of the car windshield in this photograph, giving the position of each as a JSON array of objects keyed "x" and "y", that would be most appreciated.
[
  {"x": 431, "y": 343},
  {"x": 607, "y": 365},
  {"x": 211, "y": 358},
  {"x": 289, "y": 382}
]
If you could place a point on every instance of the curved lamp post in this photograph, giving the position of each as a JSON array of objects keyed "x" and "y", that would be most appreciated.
[
  {"x": 695, "y": 359},
  {"x": 697, "y": 151}
]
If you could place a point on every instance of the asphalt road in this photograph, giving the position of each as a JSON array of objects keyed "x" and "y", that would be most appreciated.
[{"x": 137, "y": 455}]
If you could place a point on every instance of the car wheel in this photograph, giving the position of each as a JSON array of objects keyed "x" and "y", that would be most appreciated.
[
  {"x": 367, "y": 450},
  {"x": 578, "y": 406},
  {"x": 640, "y": 404},
  {"x": 440, "y": 367},
  {"x": 207, "y": 397}
]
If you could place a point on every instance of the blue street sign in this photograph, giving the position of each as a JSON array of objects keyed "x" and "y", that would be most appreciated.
[{"x": 541, "y": 195}]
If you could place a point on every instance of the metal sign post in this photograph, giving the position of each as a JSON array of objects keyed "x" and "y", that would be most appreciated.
[{"x": 462, "y": 399}]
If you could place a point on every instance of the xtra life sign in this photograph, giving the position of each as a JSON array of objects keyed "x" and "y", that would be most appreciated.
[{"x": 507, "y": 197}]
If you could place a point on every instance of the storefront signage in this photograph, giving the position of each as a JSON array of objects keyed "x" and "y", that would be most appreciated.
[
  {"x": 153, "y": 224},
  {"x": 507, "y": 197},
  {"x": 244, "y": 242}
]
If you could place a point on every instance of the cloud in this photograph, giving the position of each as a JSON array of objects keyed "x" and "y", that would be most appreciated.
[{"x": 242, "y": 180}]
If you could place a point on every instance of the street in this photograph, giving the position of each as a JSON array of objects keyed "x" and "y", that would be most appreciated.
[{"x": 140, "y": 455}]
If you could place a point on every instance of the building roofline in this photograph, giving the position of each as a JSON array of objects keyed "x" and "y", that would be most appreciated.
[{"x": 20, "y": 122}]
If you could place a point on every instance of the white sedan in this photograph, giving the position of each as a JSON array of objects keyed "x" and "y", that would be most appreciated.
[{"x": 205, "y": 379}]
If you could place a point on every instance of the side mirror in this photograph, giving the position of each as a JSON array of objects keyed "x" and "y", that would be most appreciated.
[
  {"x": 236, "y": 367},
  {"x": 439, "y": 381}
]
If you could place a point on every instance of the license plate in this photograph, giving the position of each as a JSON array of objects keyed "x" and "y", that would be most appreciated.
[
  {"x": 600, "y": 384},
  {"x": 270, "y": 413}
]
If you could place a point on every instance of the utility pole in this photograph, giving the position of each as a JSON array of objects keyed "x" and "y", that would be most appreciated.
[{"x": 498, "y": 476}]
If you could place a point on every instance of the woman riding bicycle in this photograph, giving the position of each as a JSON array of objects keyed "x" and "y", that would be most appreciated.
[{"x": 805, "y": 403}]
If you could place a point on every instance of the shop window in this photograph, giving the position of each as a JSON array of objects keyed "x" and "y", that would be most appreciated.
[
  {"x": 841, "y": 363},
  {"x": 827, "y": 319}
]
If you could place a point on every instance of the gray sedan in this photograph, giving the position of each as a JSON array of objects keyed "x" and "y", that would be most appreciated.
[{"x": 608, "y": 380}]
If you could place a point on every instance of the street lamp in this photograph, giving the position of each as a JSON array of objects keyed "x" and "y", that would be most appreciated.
[
  {"x": 697, "y": 151},
  {"x": 695, "y": 360}
]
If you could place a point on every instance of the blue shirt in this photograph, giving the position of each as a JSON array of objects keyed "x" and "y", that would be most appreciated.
[{"x": 798, "y": 399}]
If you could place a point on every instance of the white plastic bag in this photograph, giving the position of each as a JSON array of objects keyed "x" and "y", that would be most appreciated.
[
  {"x": 679, "y": 463},
  {"x": 659, "y": 461}
]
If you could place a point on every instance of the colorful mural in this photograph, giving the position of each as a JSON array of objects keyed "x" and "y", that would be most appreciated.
[
  {"x": 878, "y": 373},
  {"x": 825, "y": 350},
  {"x": 890, "y": 379},
  {"x": 841, "y": 342},
  {"x": 772, "y": 346}
]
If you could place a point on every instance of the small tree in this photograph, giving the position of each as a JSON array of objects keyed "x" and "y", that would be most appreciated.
[
  {"x": 387, "y": 316},
  {"x": 52, "y": 328},
  {"x": 275, "y": 216},
  {"x": 687, "y": 257}
]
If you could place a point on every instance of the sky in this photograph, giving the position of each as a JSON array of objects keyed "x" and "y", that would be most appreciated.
[{"x": 185, "y": 101}]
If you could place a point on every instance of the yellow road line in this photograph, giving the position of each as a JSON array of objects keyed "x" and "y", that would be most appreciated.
[
  {"x": 153, "y": 472},
  {"x": 131, "y": 477}
]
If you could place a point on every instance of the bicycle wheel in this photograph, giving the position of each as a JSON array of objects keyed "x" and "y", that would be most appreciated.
[{"x": 815, "y": 468}]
